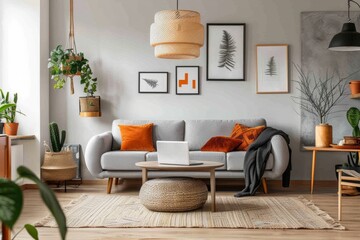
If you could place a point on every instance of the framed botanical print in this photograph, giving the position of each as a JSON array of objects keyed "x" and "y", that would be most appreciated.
[
  {"x": 187, "y": 80},
  {"x": 153, "y": 82},
  {"x": 272, "y": 68},
  {"x": 225, "y": 52}
]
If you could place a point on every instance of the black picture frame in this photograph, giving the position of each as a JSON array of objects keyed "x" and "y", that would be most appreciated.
[
  {"x": 242, "y": 68},
  {"x": 176, "y": 80},
  {"x": 140, "y": 90}
]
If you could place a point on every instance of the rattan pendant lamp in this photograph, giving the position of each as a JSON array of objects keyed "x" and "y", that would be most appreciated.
[{"x": 177, "y": 34}]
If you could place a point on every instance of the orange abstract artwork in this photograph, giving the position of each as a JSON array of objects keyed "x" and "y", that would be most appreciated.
[{"x": 187, "y": 80}]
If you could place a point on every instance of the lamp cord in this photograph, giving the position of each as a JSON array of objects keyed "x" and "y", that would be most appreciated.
[
  {"x": 349, "y": 1},
  {"x": 177, "y": 4}
]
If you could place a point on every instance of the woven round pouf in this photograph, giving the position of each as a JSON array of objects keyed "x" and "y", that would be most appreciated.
[{"x": 173, "y": 194}]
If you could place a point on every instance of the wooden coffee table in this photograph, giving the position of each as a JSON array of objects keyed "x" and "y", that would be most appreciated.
[{"x": 207, "y": 166}]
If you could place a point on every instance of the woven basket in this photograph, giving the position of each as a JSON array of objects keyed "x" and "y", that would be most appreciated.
[
  {"x": 58, "y": 166},
  {"x": 173, "y": 194}
]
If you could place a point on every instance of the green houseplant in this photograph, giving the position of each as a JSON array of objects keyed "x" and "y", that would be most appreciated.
[
  {"x": 59, "y": 164},
  {"x": 9, "y": 114},
  {"x": 11, "y": 202},
  {"x": 67, "y": 63},
  {"x": 353, "y": 117},
  {"x": 3, "y": 107}
]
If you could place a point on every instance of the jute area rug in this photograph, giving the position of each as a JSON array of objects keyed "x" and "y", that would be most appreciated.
[{"x": 114, "y": 211}]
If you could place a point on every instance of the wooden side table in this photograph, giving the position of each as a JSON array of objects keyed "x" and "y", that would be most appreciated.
[
  {"x": 323, "y": 149},
  {"x": 350, "y": 180}
]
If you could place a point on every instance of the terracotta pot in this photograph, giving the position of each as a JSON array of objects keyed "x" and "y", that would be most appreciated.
[
  {"x": 323, "y": 135},
  {"x": 354, "y": 87},
  {"x": 90, "y": 106},
  {"x": 11, "y": 128}
]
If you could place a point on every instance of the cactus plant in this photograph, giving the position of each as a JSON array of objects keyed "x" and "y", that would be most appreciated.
[
  {"x": 56, "y": 143},
  {"x": 353, "y": 117}
]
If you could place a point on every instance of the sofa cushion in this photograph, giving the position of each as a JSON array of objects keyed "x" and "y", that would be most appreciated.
[
  {"x": 221, "y": 144},
  {"x": 122, "y": 160},
  {"x": 209, "y": 156},
  {"x": 196, "y": 155},
  {"x": 168, "y": 130},
  {"x": 198, "y": 132},
  {"x": 235, "y": 161},
  {"x": 246, "y": 134},
  {"x": 137, "y": 137}
]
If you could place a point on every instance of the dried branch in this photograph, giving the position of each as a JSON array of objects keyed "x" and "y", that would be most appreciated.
[{"x": 319, "y": 95}]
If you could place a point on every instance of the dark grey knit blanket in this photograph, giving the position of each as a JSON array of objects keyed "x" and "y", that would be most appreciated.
[{"x": 256, "y": 158}]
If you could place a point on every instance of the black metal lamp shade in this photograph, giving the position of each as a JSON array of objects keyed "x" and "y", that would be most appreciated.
[{"x": 347, "y": 40}]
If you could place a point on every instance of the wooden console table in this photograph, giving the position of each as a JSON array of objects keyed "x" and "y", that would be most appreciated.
[{"x": 323, "y": 149}]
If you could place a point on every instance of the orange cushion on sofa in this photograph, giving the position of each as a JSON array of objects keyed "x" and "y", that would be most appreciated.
[
  {"x": 246, "y": 134},
  {"x": 221, "y": 144},
  {"x": 137, "y": 137}
]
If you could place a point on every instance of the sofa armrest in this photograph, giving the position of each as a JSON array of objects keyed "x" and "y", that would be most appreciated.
[
  {"x": 281, "y": 153},
  {"x": 97, "y": 146}
]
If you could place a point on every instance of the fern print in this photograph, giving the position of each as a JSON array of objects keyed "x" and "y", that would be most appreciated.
[
  {"x": 151, "y": 82},
  {"x": 271, "y": 70},
  {"x": 227, "y": 51}
]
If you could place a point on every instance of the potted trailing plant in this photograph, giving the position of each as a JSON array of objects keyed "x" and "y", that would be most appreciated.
[
  {"x": 9, "y": 114},
  {"x": 89, "y": 105},
  {"x": 59, "y": 164},
  {"x": 65, "y": 64},
  {"x": 319, "y": 96},
  {"x": 11, "y": 203}
]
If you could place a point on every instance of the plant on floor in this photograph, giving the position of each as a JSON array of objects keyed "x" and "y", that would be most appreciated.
[
  {"x": 11, "y": 203},
  {"x": 57, "y": 143},
  {"x": 353, "y": 117}
]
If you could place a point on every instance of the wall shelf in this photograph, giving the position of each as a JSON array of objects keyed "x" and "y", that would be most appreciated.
[
  {"x": 22, "y": 137},
  {"x": 355, "y": 96}
]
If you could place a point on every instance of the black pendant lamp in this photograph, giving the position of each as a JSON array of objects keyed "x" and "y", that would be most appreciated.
[{"x": 348, "y": 39}]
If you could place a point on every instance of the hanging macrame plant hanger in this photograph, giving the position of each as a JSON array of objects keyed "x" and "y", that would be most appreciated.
[{"x": 71, "y": 45}]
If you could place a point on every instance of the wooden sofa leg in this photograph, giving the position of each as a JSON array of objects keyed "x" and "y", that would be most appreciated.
[
  {"x": 116, "y": 181},
  {"x": 264, "y": 185},
  {"x": 109, "y": 185}
]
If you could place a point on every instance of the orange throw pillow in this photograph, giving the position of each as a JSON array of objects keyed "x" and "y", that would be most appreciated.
[
  {"x": 221, "y": 144},
  {"x": 137, "y": 137},
  {"x": 246, "y": 134}
]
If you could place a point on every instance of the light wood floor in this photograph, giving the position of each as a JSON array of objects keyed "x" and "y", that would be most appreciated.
[{"x": 325, "y": 197}]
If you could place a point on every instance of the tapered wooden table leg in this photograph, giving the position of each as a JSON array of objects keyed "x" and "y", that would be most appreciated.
[
  {"x": 313, "y": 171},
  {"x": 212, "y": 190},
  {"x": 339, "y": 195},
  {"x": 144, "y": 175}
]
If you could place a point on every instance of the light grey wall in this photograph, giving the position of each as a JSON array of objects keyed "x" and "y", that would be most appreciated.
[
  {"x": 114, "y": 35},
  {"x": 24, "y": 48}
]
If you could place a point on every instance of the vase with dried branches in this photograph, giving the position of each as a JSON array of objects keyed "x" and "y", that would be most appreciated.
[{"x": 319, "y": 96}]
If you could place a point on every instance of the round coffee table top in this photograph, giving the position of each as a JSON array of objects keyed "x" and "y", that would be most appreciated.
[{"x": 205, "y": 166}]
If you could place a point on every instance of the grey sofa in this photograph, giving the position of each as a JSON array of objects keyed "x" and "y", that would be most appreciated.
[{"x": 104, "y": 159}]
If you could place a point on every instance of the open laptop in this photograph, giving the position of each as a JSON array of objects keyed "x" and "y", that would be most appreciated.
[{"x": 174, "y": 153}]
